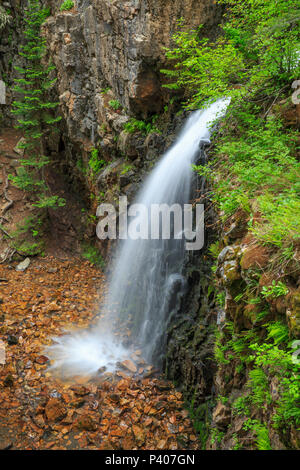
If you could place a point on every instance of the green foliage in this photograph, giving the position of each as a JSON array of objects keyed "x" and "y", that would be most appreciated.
[
  {"x": 275, "y": 290},
  {"x": 95, "y": 163},
  {"x": 214, "y": 249},
  {"x": 220, "y": 349},
  {"x": 27, "y": 239},
  {"x": 259, "y": 46},
  {"x": 288, "y": 409},
  {"x": 268, "y": 358},
  {"x": 26, "y": 248},
  {"x": 278, "y": 362},
  {"x": 202, "y": 68},
  {"x": 258, "y": 162},
  {"x": 241, "y": 406},
  {"x": 67, "y": 5},
  {"x": 263, "y": 439},
  {"x": 230, "y": 345},
  {"x": 258, "y": 384},
  {"x": 254, "y": 60},
  {"x": 262, "y": 433},
  {"x": 125, "y": 169},
  {"x": 105, "y": 90},
  {"x": 220, "y": 299},
  {"x": 31, "y": 224},
  {"x": 134, "y": 125},
  {"x": 216, "y": 436},
  {"x": 35, "y": 114},
  {"x": 281, "y": 218},
  {"x": 115, "y": 104},
  {"x": 278, "y": 332},
  {"x": 92, "y": 254},
  {"x": 49, "y": 202}
]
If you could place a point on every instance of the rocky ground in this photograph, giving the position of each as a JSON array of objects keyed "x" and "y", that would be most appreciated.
[
  {"x": 132, "y": 409},
  {"x": 38, "y": 411}
]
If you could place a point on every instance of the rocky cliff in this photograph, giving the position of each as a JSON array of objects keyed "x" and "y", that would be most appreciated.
[
  {"x": 108, "y": 55},
  {"x": 109, "y": 50}
]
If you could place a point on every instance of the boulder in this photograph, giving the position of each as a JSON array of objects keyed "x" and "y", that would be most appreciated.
[
  {"x": 23, "y": 265},
  {"x": 55, "y": 410}
]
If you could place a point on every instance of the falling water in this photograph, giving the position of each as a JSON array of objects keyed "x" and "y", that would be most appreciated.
[{"x": 147, "y": 279}]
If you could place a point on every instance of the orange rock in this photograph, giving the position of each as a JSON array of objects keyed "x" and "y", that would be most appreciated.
[
  {"x": 86, "y": 423},
  {"x": 129, "y": 365},
  {"x": 161, "y": 444},
  {"x": 123, "y": 384},
  {"x": 128, "y": 443},
  {"x": 139, "y": 435},
  {"x": 41, "y": 359},
  {"x": 55, "y": 410}
]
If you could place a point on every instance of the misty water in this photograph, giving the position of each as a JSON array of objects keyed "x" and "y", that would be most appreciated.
[{"x": 147, "y": 278}]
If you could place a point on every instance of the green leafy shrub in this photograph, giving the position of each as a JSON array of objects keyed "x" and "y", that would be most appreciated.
[
  {"x": 258, "y": 384},
  {"x": 254, "y": 60},
  {"x": 259, "y": 46},
  {"x": 115, "y": 104},
  {"x": 95, "y": 163},
  {"x": 92, "y": 254},
  {"x": 275, "y": 290},
  {"x": 261, "y": 431},
  {"x": 67, "y": 5}
]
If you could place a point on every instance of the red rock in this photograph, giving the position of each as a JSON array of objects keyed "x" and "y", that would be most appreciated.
[
  {"x": 42, "y": 359},
  {"x": 85, "y": 423},
  {"x": 55, "y": 410}
]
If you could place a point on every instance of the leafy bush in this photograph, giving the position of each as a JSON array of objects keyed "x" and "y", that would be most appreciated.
[
  {"x": 275, "y": 290},
  {"x": 92, "y": 254},
  {"x": 67, "y": 5},
  {"x": 115, "y": 104},
  {"x": 267, "y": 357},
  {"x": 254, "y": 60},
  {"x": 95, "y": 163},
  {"x": 262, "y": 433},
  {"x": 258, "y": 47}
]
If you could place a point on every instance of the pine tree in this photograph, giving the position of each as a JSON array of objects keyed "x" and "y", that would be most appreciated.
[{"x": 35, "y": 114}]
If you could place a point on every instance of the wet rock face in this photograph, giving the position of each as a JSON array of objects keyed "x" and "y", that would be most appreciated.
[
  {"x": 190, "y": 336},
  {"x": 118, "y": 45}
]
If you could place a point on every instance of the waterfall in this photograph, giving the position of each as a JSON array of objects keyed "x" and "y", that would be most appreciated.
[{"x": 147, "y": 279}]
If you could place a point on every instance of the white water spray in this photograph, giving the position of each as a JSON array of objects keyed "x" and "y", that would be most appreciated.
[{"x": 147, "y": 280}]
